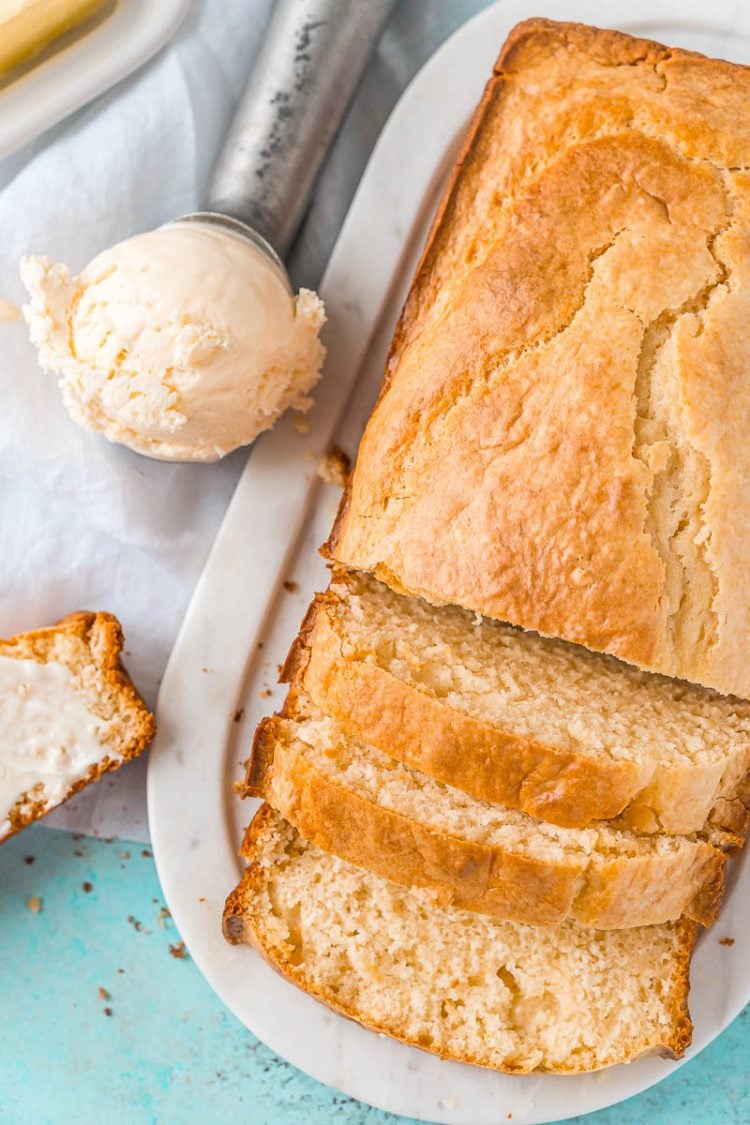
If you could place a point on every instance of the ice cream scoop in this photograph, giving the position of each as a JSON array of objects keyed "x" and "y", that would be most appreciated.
[{"x": 185, "y": 342}]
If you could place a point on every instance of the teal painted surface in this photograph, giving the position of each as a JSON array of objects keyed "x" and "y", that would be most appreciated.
[{"x": 169, "y": 1051}]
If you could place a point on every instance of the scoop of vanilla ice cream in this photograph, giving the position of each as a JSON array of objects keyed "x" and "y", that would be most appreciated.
[{"x": 182, "y": 343}]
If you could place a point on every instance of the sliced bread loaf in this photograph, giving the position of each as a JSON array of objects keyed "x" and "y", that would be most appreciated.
[
  {"x": 565, "y": 734},
  {"x": 497, "y": 994},
  {"x": 68, "y": 713},
  {"x": 372, "y": 810}
]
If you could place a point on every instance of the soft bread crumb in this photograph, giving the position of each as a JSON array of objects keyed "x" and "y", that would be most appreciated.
[
  {"x": 334, "y": 467},
  {"x": 503, "y": 995},
  {"x": 499, "y": 673}
]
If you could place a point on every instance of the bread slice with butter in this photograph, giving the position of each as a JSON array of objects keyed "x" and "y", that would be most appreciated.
[{"x": 68, "y": 713}]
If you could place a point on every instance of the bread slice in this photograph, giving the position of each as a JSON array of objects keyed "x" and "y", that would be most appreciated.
[
  {"x": 561, "y": 439},
  {"x": 463, "y": 986},
  {"x": 69, "y": 713},
  {"x": 567, "y": 735},
  {"x": 357, "y": 802}
]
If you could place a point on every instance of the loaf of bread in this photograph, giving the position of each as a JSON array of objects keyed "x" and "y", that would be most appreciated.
[
  {"x": 480, "y": 839},
  {"x": 497, "y": 994},
  {"x": 357, "y": 802},
  {"x": 69, "y": 712},
  {"x": 567, "y": 735},
  {"x": 561, "y": 438}
]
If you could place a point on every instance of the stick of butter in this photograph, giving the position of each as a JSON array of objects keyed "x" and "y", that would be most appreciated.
[{"x": 28, "y": 26}]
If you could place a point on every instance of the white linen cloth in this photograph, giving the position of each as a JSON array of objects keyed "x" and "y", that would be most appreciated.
[{"x": 87, "y": 524}]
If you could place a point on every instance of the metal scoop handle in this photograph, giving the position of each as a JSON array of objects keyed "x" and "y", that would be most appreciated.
[{"x": 309, "y": 66}]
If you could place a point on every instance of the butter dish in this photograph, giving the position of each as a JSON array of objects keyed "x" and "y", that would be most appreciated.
[{"x": 75, "y": 69}]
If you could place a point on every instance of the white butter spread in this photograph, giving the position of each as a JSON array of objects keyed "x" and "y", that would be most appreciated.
[{"x": 48, "y": 737}]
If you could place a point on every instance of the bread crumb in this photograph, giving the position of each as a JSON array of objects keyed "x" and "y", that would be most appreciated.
[
  {"x": 237, "y": 717},
  {"x": 147, "y": 854},
  {"x": 449, "y": 1102},
  {"x": 726, "y": 941},
  {"x": 87, "y": 887},
  {"x": 28, "y": 859},
  {"x": 135, "y": 923},
  {"x": 124, "y": 855},
  {"x": 266, "y": 693},
  {"x": 334, "y": 467},
  {"x": 291, "y": 587},
  {"x": 104, "y": 995},
  {"x": 179, "y": 951},
  {"x": 301, "y": 424},
  {"x": 164, "y": 915},
  {"x": 34, "y": 904},
  {"x": 108, "y": 1011},
  {"x": 201, "y": 898}
]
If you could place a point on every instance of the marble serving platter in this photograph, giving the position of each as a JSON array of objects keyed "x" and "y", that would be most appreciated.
[{"x": 264, "y": 568}]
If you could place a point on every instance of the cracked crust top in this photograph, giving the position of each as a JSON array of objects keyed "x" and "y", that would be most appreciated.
[{"x": 561, "y": 437}]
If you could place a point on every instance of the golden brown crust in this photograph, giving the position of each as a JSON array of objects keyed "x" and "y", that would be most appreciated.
[
  {"x": 607, "y": 893},
  {"x": 560, "y": 439},
  {"x": 532, "y": 32},
  {"x": 243, "y": 922},
  {"x": 86, "y": 642},
  {"x": 260, "y": 762},
  {"x": 730, "y": 818}
]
